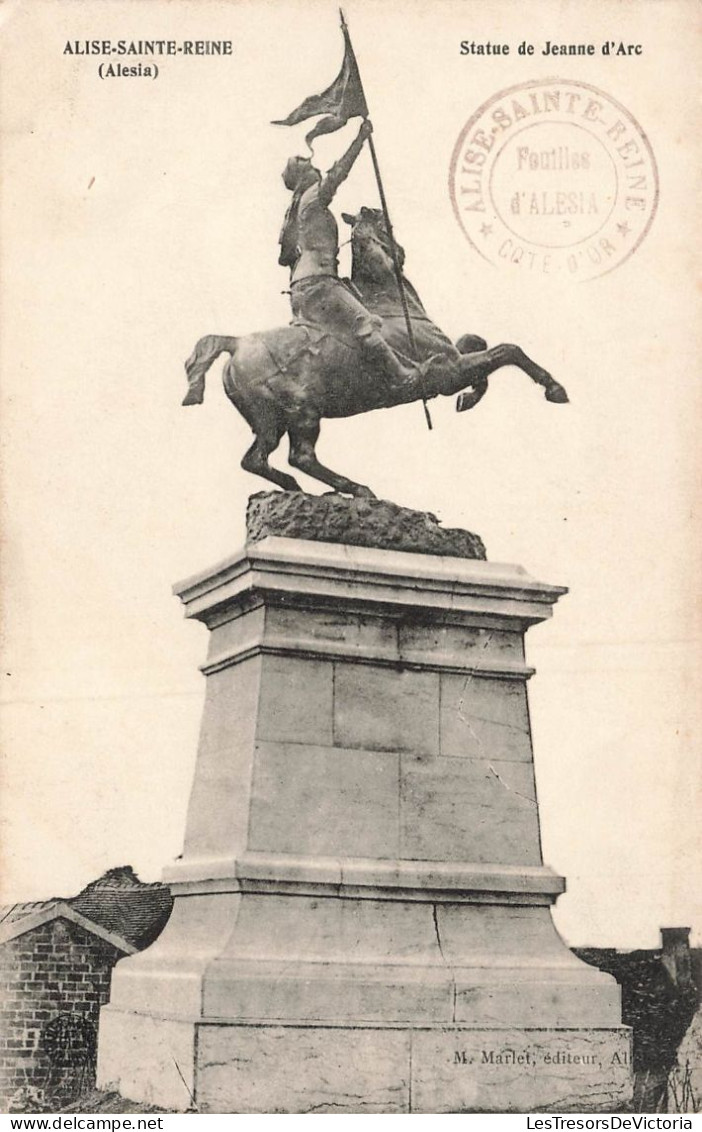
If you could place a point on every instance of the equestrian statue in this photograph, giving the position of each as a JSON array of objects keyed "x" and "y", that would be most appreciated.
[{"x": 353, "y": 344}]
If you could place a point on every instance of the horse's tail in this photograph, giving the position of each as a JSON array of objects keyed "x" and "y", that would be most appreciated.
[{"x": 206, "y": 351}]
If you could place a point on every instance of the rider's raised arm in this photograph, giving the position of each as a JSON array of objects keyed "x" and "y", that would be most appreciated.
[{"x": 341, "y": 168}]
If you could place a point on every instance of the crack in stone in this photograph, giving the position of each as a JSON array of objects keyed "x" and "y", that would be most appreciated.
[
  {"x": 409, "y": 1076},
  {"x": 435, "y": 918},
  {"x": 501, "y": 723},
  {"x": 351, "y": 1097},
  {"x": 438, "y": 936},
  {"x": 226, "y": 1062},
  {"x": 531, "y": 801},
  {"x": 461, "y": 713},
  {"x": 188, "y": 1089}
]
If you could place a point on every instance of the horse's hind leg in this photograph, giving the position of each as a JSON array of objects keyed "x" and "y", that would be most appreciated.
[
  {"x": 256, "y": 459},
  {"x": 303, "y": 438}
]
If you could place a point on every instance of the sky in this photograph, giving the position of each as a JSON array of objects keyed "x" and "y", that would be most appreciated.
[{"x": 140, "y": 214}]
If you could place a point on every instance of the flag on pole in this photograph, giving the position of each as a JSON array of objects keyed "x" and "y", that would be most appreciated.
[{"x": 342, "y": 100}]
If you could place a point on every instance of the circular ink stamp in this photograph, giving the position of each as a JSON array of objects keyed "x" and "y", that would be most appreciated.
[{"x": 554, "y": 178}]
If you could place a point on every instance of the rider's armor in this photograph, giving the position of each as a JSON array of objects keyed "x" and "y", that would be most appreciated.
[{"x": 310, "y": 247}]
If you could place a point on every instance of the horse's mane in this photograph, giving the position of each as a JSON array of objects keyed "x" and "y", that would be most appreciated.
[{"x": 373, "y": 271}]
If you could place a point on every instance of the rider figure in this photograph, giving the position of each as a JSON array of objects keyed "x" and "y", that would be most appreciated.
[{"x": 309, "y": 246}]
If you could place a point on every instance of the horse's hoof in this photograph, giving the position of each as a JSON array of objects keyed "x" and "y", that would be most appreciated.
[
  {"x": 557, "y": 394},
  {"x": 363, "y": 492},
  {"x": 467, "y": 400}
]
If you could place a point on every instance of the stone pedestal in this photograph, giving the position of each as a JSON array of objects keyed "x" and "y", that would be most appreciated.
[{"x": 362, "y": 916}]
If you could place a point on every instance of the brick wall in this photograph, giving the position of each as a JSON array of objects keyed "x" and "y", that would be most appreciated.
[{"x": 53, "y": 981}]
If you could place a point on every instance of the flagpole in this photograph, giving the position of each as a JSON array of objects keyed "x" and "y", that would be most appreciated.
[{"x": 391, "y": 236}]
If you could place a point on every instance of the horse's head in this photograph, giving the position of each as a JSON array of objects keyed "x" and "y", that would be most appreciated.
[{"x": 370, "y": 244}]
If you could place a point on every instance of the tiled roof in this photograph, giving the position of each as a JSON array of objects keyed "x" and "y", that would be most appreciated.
[
  {"x": 124, "y": 904},
  {"x": 11, "y": 913},
  {"x": 137, "y": 916},
  {"x": 19, "y": 919},
  {"x": 118, "y": 903}
]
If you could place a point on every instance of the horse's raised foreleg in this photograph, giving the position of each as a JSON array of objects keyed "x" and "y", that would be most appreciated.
[
  {"x": 470, "y": 397},
  {"x": 471, "y": 344},
  {"x": 474, "y": 369},
  {"x": 303, "y": 438},
  {"x": 515, "y": 356},
  {"x": 256, "y": 459}
]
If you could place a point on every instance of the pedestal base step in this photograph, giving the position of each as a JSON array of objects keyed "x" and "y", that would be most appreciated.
[{"x": 233, "y": 1068}]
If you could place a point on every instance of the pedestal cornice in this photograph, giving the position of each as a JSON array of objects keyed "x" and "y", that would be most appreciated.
[
  {"x": 369, "y": 879},
  {"x": 302, "y": 572}
]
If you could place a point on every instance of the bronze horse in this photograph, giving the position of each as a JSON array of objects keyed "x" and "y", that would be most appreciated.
[{"x": 286, "y": 380}]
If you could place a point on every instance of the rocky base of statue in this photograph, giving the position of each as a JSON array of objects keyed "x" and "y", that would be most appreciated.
[
  {"x": 355, "y": 522},
  {"x": 362, "y": 915}
]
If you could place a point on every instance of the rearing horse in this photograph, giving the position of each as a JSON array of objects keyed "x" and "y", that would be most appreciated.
[{"x": 286, "y": 380}]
